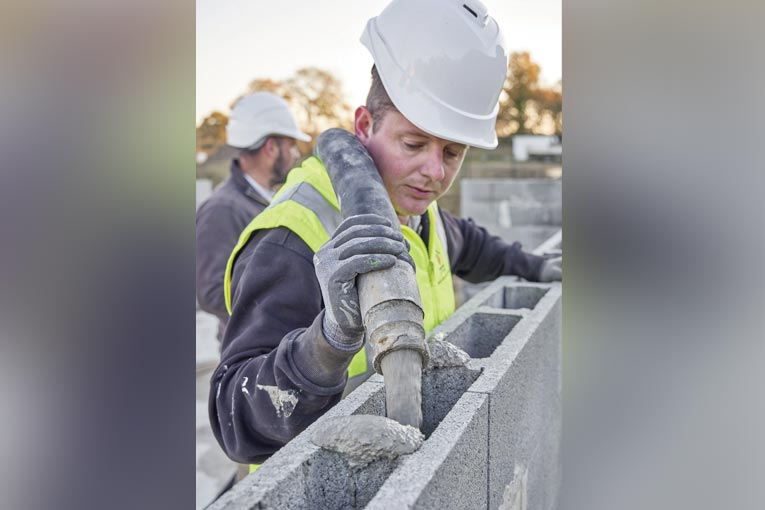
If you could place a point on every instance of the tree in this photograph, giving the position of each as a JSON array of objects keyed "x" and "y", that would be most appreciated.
[
  {"x": 550, "y": 103},
  {"x": 211, "y": 133},
  {"x": 316, "y": 99},
  {"x": 262, "y": 85},
  {"x": 525, "y": 106}
]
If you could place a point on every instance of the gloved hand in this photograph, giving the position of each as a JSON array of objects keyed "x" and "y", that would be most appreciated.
[
  {"x": 362, "y": 243},
  {"x": 552, "y": 270}
]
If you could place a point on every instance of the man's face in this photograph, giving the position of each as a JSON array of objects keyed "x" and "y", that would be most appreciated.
[
  {"x": 285, "y": 160},
  {"x": 415, "y": 167}
]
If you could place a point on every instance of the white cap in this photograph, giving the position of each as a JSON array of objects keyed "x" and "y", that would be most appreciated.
[
  {"x": 259, "y": 115},
  {"x": 443, "y": 64}
]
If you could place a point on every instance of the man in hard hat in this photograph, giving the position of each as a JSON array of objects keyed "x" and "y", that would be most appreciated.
[
  {"x": 295, "y": 340},
  {"x": 264, "y": 130}
]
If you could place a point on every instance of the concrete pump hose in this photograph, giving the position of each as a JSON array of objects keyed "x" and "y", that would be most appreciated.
[{"x": 389, "y": 299}]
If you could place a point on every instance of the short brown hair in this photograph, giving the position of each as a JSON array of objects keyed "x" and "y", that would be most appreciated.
[{"x": 378, "y": 100}]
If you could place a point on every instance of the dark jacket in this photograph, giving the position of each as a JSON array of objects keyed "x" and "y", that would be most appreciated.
[
  {"x": 277, "y": 373},
  {"x": 220, "y": 220}
]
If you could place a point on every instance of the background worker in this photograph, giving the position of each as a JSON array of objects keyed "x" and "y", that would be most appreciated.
[
  {"x": 295, "y": 335},
  {"x": 263, "y": 128}
]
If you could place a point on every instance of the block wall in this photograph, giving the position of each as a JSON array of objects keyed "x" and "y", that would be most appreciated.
[{"x": 492, "y": 427}]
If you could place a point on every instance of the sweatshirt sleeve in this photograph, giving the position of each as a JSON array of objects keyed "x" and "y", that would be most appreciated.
[
  {"x": 277, "y": 373},
  {"x": 477, "y": 256},
  {"x": 217, "y": 232}
]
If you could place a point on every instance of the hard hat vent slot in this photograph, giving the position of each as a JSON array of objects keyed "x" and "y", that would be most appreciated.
[{"x": 479, "y": 12}]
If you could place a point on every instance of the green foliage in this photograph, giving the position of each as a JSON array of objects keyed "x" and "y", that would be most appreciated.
[
  {"x": 316, "y": 98},
  {"x": 211, "y": 133}
]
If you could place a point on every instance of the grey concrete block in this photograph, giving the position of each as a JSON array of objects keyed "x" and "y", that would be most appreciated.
[
  {"x": 303, "y": 476},
  {"x": 204, "y": 190},
  {"x": 552, "y": 462},
  {"x": 515, "y": 496},
  {"x": 369, "y": 398},
  {"x": 317, "y": 479},
  {"x": 449, "y": 471},
  {"x": 207, "y": 344},
  {"x": 525, "y": 210},
  {"x": 515, "y": 297},
  {"x": 544, "y": 240},
  {"x": 286, "y": 480},
  {"x": 512, "y": 202},
  {"x": 476, "y": 190},
  {"x": 332, "y": 482},
  {"x": 551, "y": 245},
  {"x": 522, "y": 378},
  {"x": 465, "y": 291},
  {"x": 441, "y": 389},
  {"x": 529, "y": 236},
  {"x": 544, "y": 466},
  {"x": 485, "y": 214},
  {"x": 481, "y": 333},
  {"x": 280, "y": 483}
]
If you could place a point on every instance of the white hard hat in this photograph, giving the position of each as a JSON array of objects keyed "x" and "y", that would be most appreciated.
[
  {"x": 443, "y": 64},
  {"x": 259, "y": 115}
]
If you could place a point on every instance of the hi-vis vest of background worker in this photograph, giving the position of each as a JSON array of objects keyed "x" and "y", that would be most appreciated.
[{"x": 308, "y": 206}]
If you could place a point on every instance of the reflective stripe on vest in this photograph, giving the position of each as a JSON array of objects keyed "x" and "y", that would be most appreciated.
[
  {"x": 308, "y": 206},
  {"x": 312, "y": 179}
]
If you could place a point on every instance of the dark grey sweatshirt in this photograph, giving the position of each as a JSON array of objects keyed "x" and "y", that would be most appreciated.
[{"x": 220, "y": 220}]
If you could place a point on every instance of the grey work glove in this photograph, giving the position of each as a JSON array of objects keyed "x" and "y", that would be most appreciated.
[
  {"x": 552, "y": 270},
  {"x": 362, "y": 243}
]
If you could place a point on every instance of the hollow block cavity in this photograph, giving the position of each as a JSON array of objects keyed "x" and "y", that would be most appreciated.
[
  {"x": 516, "y": 297},
  {"x": 481, "y": 333}
]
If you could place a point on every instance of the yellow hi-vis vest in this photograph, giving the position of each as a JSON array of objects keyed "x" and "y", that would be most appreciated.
[{"x": 308, "y": 206}]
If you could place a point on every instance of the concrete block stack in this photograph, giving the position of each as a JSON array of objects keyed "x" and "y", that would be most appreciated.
[
  {"x": 525, "y": 210},
  {"x": 492, "y": 427}
]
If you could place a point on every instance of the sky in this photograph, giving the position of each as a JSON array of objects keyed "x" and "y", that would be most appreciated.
[{"x": 242, "y": 40}]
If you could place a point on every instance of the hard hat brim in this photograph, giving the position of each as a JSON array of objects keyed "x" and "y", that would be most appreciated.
[{"x": 246, "y": 140}]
